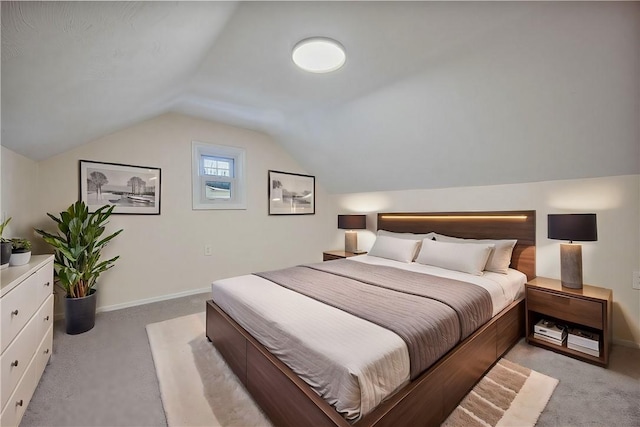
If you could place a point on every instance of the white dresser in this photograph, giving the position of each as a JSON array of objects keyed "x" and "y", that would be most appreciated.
[{"x": 26, "y": 326}]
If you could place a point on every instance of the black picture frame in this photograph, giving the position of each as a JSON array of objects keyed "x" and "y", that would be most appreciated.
[
  {"x": 291, "y": 193},
  {"x": 102, "y": 183}
]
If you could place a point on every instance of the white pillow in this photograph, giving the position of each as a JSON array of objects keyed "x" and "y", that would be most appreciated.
[
  {"x": 465, "y": 257},
  {"x": 402, "y": 250},
  {"x": 409, "y": 236},
  {"x": 500, "y": 257}
]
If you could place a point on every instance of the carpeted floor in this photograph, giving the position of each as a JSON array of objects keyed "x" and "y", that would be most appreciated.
[
  {"x": 199, "y": 389},
  {"x": 106, "y": 377}
]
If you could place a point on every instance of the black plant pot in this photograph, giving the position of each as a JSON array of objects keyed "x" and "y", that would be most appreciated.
[
  {"x": 5, "y": 255},
  {"x": 80, "y": 313}
]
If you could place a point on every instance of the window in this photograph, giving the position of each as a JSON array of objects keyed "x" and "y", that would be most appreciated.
[
  {"x": 217, "y": 166},
  {"x": 218, "y": 177}
]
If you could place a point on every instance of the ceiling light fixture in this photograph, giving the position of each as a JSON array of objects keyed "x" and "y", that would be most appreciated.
[{"x": 318, "y": 55}]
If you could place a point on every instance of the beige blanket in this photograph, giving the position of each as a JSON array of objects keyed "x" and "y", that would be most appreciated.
[{"x": 431, "y": 314}]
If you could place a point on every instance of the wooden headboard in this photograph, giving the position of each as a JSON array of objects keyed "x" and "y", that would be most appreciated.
[{"x": 520, "y": 225}]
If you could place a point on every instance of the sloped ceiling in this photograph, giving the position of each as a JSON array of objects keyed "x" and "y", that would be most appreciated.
[{"x": 432, "y": 94}]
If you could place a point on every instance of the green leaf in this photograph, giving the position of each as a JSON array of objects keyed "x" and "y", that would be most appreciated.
[
  {"x": 77, "y": 247},
  {"x": 107, "y": 239}
]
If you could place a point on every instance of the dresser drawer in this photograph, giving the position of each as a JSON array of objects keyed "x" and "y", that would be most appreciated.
[
  {"x": 44, "y": 317},
  {"x": 16, "y": 308},
  {"x": 14, "y": 410},
  {"x": 43, "y": 354},
  {"x": 16, "y": 358},
  {"x": 566, "y": 307},
  {"x": 45, "y": 282}
]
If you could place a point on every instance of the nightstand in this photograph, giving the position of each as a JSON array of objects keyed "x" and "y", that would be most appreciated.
[
  {"x": 588, "y": 308},
  {"x": 329, "y": 255}
]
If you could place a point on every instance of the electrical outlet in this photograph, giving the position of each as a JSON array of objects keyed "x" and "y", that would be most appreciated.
[
  {"x": 636, "y": 279},
  {"x": 208, "y": 250}
]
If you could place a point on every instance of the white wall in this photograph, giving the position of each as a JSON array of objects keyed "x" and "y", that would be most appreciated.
[
  {"x": 557, "y": 86},
  {"x": 164, "y": 255},
  {"x": 609, "y": 262},
  {"x": 19, "y": 194}
]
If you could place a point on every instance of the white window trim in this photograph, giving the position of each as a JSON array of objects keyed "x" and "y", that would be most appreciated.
[{"x": 239, "y": 194}]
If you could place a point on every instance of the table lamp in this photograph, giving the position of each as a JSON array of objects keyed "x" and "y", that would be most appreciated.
[
  {"x": 572, "y": 227},
  {"x": 351, "y": 223}
]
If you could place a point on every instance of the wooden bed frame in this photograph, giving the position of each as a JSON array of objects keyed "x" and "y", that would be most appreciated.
[{"x": 428, "y": 400}]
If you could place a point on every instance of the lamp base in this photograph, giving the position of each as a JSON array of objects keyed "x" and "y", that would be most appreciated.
[
  {"x": 350, "y": 241},
  {"x": 571, "y": 265}
]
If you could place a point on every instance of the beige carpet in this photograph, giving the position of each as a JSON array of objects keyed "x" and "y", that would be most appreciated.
[{"x": 199, "y": 389}]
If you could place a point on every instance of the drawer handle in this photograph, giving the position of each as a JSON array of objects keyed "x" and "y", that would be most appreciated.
[
  {"x": 47, "y": 284},
  {"x": 14, "y": 312},
  {"x": 46, "y": 319},
  {"x": 19, "y": 402},
  {"x": 46, "y": 351},
  {"x": 14, "y": 363}
]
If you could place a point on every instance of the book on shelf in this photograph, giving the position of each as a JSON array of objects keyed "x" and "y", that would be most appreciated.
[
  {"x": 582, "y": 338},
  {"x": 550, "y": 329},
  {"x": 549, "y": 339},
  {"x": 595, "y": 353}
]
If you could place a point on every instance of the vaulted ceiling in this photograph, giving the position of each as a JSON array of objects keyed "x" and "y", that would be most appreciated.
[{"x": 432, "y": 94}]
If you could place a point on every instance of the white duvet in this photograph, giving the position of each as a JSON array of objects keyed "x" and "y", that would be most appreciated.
[{"x": 352, "y": 363}]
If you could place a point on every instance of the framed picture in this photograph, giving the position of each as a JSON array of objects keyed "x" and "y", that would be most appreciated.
[
  {"x": 131, "y": 189},
  {"x": 291, "y": 194}
]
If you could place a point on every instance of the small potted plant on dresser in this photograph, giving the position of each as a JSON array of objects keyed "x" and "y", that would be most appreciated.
[
  {"x": 5, "y": 247},
  {"x": 20, "y": 252},
  {"x": 77, "y": 248}
]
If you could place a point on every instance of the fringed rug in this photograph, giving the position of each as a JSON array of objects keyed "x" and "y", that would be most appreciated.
[{"x": 199, "y": 389}]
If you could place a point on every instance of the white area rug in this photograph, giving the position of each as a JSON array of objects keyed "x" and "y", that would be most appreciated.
[
  {"x": 196, "y": 385},
  {"x": 199, "y": 389}
]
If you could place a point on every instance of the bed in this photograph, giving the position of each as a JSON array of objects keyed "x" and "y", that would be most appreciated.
[{"x": 428, "y": 397}]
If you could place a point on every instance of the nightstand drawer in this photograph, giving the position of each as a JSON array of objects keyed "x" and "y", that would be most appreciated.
[
  {"x": 568, "y": 308},
  {"x": 329, "y": 257}
]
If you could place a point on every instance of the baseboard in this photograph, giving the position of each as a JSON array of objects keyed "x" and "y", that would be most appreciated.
[
  {"x": 135, "y": 303},
  {"x": 626, "y": 343},
  {"x": 151, "y": 300}
]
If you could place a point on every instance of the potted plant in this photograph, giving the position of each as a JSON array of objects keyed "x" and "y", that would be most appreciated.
[
  {"x": 77, "y": 248},
  {"x": 20, "y": 251},
  {"x": 5, "y": 247}
]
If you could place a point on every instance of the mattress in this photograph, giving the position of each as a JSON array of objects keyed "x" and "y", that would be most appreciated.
[{"x": 350, "y": 362}]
